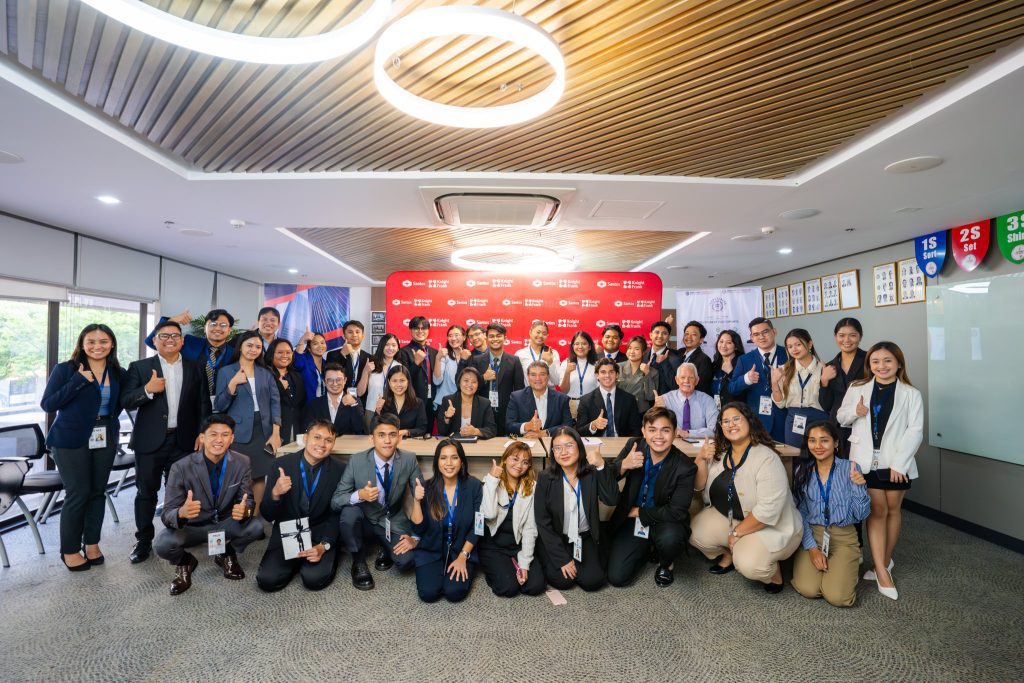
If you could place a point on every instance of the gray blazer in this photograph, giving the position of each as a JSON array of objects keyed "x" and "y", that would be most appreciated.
[
  {"x": 190, "y": 473},
  {"x": 240, "y": 406},
  {"x": 361, "y": 469}
]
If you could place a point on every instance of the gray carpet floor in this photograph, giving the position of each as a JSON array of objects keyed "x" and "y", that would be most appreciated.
[{"x": 960, "y": 617}]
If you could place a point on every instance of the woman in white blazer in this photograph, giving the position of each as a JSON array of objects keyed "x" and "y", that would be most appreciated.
[
  {"x": 750, "y": 521},
  {"x": 886, "y": 416},
  {"x": 506, "y": 547}
]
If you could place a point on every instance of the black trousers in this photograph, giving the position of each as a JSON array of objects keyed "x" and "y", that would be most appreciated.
[
  {"x": 150, "y": 471},
  {"x": 590, "y": 575},
  {"x": 85, "y": 474},
  {"x": 170, "y": 544},
  {"x": 356, "y": 530},
  {"x": 433, "y": 582},
  {"x": 275, "y": 572},
  {"x": 501, "y": 573},
  {"x": 628, "y": 553}
]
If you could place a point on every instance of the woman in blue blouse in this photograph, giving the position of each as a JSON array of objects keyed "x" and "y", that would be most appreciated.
[
  {"x": 831, "y": 495},
  {"x": 310, "y": 354},
  {"x": 85, "y": 392},
  {"x": 444, "y": 516}
]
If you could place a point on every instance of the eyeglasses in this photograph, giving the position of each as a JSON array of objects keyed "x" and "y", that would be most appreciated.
[
  {"x": 421, "y": 328},
  {"x": 564, "y": 448},
  {"x": 168, "y": 336},
  {"x": 222, "y": 326},
  {"x": 517, "y": 461},
  {"x": 762, "y": 333},
  {"x": 334, "y": 380},
  {"x": 732, "y": 421}
]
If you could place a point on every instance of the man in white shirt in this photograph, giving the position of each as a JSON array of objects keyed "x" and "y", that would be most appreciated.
[
  {"x": 537, "y": 409},
  {"x": 696, "y": 412}
]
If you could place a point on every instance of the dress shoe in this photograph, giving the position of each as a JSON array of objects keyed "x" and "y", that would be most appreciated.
[
  {"x": 75, "y": 568},
  {"x": 229, "y": 563},
  {"x": 719, "y": 569},
  {"x": 870, "y": 575},
  {"x": 183, "y": 574},
  {"x": 141, "y": 553},
  {"x": 891, "y": 592},
  {"x": 361, "y": 576},
  {"x": 383, "y": 561},
  {"x": 94, "y": 561},
  {"x": 663, "y": 577}
]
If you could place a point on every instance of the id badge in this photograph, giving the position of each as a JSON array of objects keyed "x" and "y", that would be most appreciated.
[
  {"x": 478, "y": 523},
  {"x": 387, "y": 529},
  {"x": 577, "y": 550},
  {"x": 353, "y": 393},
  {"x": 824, "y": 543},
  {"x": 799, "y": 424},
  {"x": 765, "y": 407},
  {"x": 718, "y": 403},
  {"x": 215, "y": 542},
  {"x": 493, "y": 395},
  {"x": 641, "y": 531},
  {"x": 98, "y": 438},
  {"x": 730, "y": 519},
  {"x": 874, "y": 459}
]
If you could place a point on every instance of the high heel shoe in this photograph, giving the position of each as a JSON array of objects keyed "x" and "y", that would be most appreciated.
[
  {"x": 93, "y": 561},
  {"x": 870, "y": 575},
  {"x": 890, "y": 593},
  {"x": 77, "y": 568}
]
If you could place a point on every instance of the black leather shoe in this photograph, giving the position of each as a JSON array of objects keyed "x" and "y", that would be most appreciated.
[
  {"x": 383, "y": 561},
  {"x": 663, "y": 577},
  {"x": 229, "y": 563},
  {"x": 361, "y": 576},
  {"x": 774, "y": 588},
  {"x": 183, "y": 574},
  {"x": 719, "y": 569},
  {"x": 141, "y": 553},
  {"x": 94, "y": 561},
  {"x": 75, "y": 568}
]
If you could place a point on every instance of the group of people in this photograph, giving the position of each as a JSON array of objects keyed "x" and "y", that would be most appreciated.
[{"x": 210, "y": 417}]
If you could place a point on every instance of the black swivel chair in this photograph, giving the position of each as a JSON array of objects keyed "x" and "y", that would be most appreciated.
[
  {"x": 26, "y": 441},
  {"x": 12, "y": 475},
  {"x": 124, "y": 461}
]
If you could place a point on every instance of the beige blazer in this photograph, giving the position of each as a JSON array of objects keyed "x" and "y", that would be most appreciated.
[
  {"x": 904, "y": 431},
  {"x": 763, "y": 488}
]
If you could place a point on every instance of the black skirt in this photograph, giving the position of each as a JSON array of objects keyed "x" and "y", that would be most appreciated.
[{"x": 879, "y": 479}]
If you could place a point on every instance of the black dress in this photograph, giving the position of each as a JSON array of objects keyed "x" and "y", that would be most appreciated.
[
  {"x": 831, "y": 396},
  {"x": 293, "y": 405}
]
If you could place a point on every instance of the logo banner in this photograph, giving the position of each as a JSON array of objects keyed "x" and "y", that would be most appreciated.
[{"x": 717, "y": 310}]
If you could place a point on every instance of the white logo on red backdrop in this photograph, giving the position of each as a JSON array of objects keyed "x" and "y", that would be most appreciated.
[{"x": 407, "y": 283}]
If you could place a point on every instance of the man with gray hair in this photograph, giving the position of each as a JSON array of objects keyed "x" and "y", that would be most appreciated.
[{"x": 695, "y": 411}]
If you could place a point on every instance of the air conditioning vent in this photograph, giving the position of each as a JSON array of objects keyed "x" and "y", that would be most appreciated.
[{"x": 496, "y": 210}]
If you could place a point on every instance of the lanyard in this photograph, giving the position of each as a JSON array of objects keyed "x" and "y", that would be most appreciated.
[
  {"x": 650, "y": 470},
  {"x": 731, "y": 490},
  {"x": 826, "y": 490},
  {"x": 355, "y": 367},
  {"x": 449, "y": 518},
  {"x": 389, "y": 368},
  {"x": 220, "y": 358},
  {"x": 580, "y": 374},
  {"x": 803, "y": 383},
  {"x": 511, "y": 502},
  {"x": 496, "y": 366},
  {"x": 215, "y": 482},
  {"x": 876, "y": 409},
  {"x": 103, "y": 379},
  {"x": 578, "y": 491},
  {"x": 305, "y": 482},
  {"x": 530, "y": 348}
]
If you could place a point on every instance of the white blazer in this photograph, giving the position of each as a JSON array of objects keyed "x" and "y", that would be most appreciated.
[
  {"x": 523, "y": 525},
  {"x": 903, "y": 432}
]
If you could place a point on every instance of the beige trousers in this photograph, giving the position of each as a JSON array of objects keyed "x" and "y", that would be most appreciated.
[
  {"x": 709, "y": 533},
  {"x": 839, "y": 584}
]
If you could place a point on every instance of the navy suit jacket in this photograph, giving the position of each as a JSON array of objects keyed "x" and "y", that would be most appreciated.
[
  {"x": 240, "y": 406},
  {"x": 432, "y": 532},
  {"x": 522, "y": 403},
  {"x": 197, "y": 348},
  {"x": 740, "y": 391},
  {"x": 348, "y": 420},
  {"x": 323, "y": 520},
  {"x": 76, "y": 401}
]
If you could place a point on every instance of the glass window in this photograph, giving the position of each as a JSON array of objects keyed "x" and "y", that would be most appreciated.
[{"x": 23, "y": 327}]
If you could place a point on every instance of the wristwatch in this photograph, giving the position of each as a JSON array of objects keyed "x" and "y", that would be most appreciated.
[
  {"x": 465, "y": 554},
  {"x": 326, "y": 545}
]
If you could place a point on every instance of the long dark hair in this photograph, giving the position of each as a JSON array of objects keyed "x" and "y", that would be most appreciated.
[
  {"x": 805, "y": 463},
  {"x": 759, "y": 436},
  {"x": 591, "y": 354},
  {"x": 78, "y": 356},
  {"x": 789, "y": 369},
  {"x": 582, "y": 465},
  {"x": 410, "y": 393},
  {"x": 378, "y": 355},
  {"x": 435, "y": 487},
  {"x": 896, "y": 351},
  {"x": 268, "y": 356},
  {"x": 244, "y": 337},
  {"x": 737, "y": 342}
]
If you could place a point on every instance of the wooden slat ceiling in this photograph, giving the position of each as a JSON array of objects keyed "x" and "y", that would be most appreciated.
[
  {"x": 725, "y": 88},
  {"x": 378, "y": 252}
]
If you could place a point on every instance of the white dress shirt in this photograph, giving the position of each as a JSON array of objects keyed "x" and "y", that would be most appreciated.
[
  {"x": 542, "y": 410},
  {"x": 569, "y": 527},
  {"x": 172, "y": 373}
]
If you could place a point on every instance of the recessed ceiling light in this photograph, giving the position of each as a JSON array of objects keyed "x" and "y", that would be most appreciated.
[
  {"x": 9, "y": 157},
  {"x": 108, "y": 199},
  {"x": 293, "y": 271},
  {"x": 797, "y": 214},
  {"x": 785, "y": 250},
  {"x": 914, "y": 164},
  {"x": 907, "y": 209},
  {"x": 676, "y": 267},
  {"x": 194, "y": 232},
  {"x": 746, "y": 238}
]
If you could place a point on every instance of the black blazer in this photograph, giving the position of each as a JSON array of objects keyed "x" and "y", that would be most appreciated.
[
  {"x": 509, "y": 378},
  {"x": 413, "y": 419},
  {"x": 831, "y": 396},
  {"x": 482, "y": 417},
  {"x": 673, "y": 489},
  {"x": 431, "y": 531},
  {"x": 420, "y": 380},
  {"x": 293, "y": 404},
  {"x": 704, "y": 372},
  {"x": 151, "y": 420},
  {"x": 549, "y": 508},
  {"x": 348, "y": 420},
  {"x": 666, "y": 367},
  {"x": 522, "y": 404},
  {"x": 627, "y": 413},
  {"x": 346, "y": 362},
  {"x": 323, "y": 521}
]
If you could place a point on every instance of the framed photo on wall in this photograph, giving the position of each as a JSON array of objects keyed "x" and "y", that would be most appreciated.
[
  {"x": 769, "y": 302},
  {"x": 830, "y": 292},
  {"x": 812, "y": 295},
  {"x": 911, "y": 282},
  {"x": 782, "y": 301},
  {"x": 796, "y": 299},
  {"x": 849, "y": 290},
  {"x": 884, "y": 281},
  {"x": 376, "y": 316}
]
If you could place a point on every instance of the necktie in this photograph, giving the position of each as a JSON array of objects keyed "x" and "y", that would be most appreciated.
[
  {"x": 209, "y": 369},
  {"x": 430, "y": 377},
  {"x": 610, "y": 430},
  {"x": 387, "y": 481},
  {"x": 686, "y": 414},
  {"x": 767, "y": 362}
]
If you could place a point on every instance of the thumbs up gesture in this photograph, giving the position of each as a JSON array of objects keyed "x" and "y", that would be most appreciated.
[
  {"x": 594, "y": 456},
  {"x": 645, "y": 368},
  {"x": 707, "y": 451},
  {"x": 489, "y": 373},
  {"x": 190, "y": 509},
  {"x": 465, "y": 354},
  {"x": 183, "y": 318},
  {"x": 547, "y": 356},
  {"x": 599, "y": 422},
  {"x": 347, "y": 349},
  {"x": 570, "y": 365},
  {"x": 862, "y": 409},
  {"x": 753, "y": 376},
  {"x": 283, "y": 485},
  {"x": 238, "y": 378},
  {"x": 659, "y": 401},
  {"x": 380, "y": 405},
  {"x": 371, "y": 365},
  {"x": 633, "y": 460},
  {"x": 348, "y": 399},
  {"x": 368, "y": 493},
  {"x": 777, "y": 374},
  {"x": 855, "y": 476},
  {"x": 419, "y": 491},
  {"x": 495, "y": 469},
  {"x": 449, "y": 412},
  {"x": 155, "y": 385},
  {"x": 239, "y": 512},
  {"x": 535, "y": 425},
  {"x": 670, "y": 318},
  {"x": 418, "y": 355},
  {"x": 85, "y": 373}
]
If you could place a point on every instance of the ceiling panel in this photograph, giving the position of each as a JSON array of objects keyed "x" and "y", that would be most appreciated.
[{"x": 723, "y": 88}]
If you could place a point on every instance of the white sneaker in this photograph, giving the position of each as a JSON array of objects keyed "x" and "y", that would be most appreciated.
[{"x": 870, "y": 575}]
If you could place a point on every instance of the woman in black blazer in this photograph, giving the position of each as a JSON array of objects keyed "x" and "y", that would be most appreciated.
[
  {"x": 400, "y": 399},
  {"x": 728, "y": 349},
  {"x": 847, "y": 367},
  {"x": 279, "y": 357},
  {"x": 565, "y": 508},
  {"x": 450, "y": 420},
  {"x": 85, "y": 392},
  {"x": 444, "y": 516}
]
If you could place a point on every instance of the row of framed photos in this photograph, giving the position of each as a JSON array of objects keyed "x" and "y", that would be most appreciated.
[{"x": 901, "y": 282}]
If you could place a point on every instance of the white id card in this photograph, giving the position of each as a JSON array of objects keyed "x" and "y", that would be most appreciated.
[
  {"x": 215, "y": 541},
  {"x": 577, "y": 550},
  {"x": 765, "y": 407},
  {"x": 824, "y": 543},
  {"x": 718, "y": 402},
  {"x": 494, "y": 398},
  {"x": 641, "y": 531},
  {"x": 478, "y": 523},
  {"x": 799, "y": 424},
  {"x": 874, "y": 460},
  {"x": 353, "y": 393},
  {"x": 98, "y": 438},
  {"x": 387, "y": 529}
]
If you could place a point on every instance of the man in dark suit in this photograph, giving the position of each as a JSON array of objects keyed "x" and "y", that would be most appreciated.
[
  {"x": 537, "y": 410},
  {"x": 169, "y": 393},
  {"x": 752, "y": 377},
  {"x": 213, "y": 351},
  {"x": 302, "y": 487},
  {"x": 661, "y": 358},
  {"x": 502, "y": 373},
  {"x": 420, "y": 358},
  {"x": 608, "y": 410},
  {"x": 337, "y": 406},
  {"x": 209, "y": 491},
  {"x": 351, "y": 356},
  {"x": 693, "y": 337},
  {"x": 611, "y": 343}
]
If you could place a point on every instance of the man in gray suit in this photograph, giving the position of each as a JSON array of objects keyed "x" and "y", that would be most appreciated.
[
  {"x": 377, "y": 509},
  {"x": 207, "y": 492}
]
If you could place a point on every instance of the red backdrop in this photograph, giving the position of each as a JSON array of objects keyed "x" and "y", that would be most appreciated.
[{"x": 566, "y": 301}]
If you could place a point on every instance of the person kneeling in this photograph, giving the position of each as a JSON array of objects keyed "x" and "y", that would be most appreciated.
[
  {"x": 654, "y": 504},
  {"x": 302, "y": 487},
  {"x": 208, "y": 499},
  {"x": 445, "y": 516}
]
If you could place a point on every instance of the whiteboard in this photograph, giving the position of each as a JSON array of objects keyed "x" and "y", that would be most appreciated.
[{"x": 975, "y": 380}]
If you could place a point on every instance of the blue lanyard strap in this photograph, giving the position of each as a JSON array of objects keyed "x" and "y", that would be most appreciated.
[
  {"x": 803, "y": 383},
  {"x": 732, "y": 469},
  {"x": 511, "y": 502},
  {"x": 580, "y": 374},
  {"x": 305, "y": 482},
  {"x": 578, "y": 491},
  {"x": 876, "y": 408},
  {"x": 450, "y": 516},
  {"x": 220, "y": 358},
  {"x": 826, "y": 490},
  {"x": 650, "y": 470},
  {"x": 216, "y": 481}
]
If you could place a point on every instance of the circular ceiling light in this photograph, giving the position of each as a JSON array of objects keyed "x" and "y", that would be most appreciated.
[
  {"x": 538, "y": 259},
  {"x": 797, "y": 214},
  {"x": 242, "y": 48},
  {"x": 476, "y": 21},
  {"x": 914, "y": 164}
]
